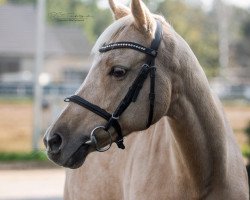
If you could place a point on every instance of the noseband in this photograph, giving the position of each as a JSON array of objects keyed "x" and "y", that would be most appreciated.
[{"x": 132, "y": 94}]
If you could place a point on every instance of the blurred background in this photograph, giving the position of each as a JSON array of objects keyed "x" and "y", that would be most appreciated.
[{"x": 45, "y": 55}]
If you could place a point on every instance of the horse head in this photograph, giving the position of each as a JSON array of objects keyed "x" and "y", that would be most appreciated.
[{"x": 121, "y": 53}]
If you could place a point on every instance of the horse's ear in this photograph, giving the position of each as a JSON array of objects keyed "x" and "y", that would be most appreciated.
[
  {"x": 118, "y": 10},
  {"x": 143, "y": 17}
]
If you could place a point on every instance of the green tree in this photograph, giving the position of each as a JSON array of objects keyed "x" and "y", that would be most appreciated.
[
  {"x": 241, "y": 50},
  {"x": 197, "y": 28},
  {"x": 191, "y": 22},
  {"x": 21, "y": 2},
  {"x": 246, "y": 29},
  {"x": 94, "y": 19}
]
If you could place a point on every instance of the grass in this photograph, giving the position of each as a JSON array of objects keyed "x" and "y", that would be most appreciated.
[
  {"x": 245, "y": 151},
  {"x": 20, "y": 156}
]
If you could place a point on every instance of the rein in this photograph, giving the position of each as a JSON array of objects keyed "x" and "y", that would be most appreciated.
[{"x": 147, "y": 68}]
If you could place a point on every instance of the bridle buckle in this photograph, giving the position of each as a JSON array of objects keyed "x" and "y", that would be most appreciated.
[{"x": 114, "y": 117}]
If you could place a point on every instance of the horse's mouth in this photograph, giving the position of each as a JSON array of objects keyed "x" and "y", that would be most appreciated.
[{"x": 78, "y": 157}]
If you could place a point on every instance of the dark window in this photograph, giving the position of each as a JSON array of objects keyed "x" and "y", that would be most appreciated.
[
  {"x": 74, "y": 75},
  {"x": 9, "y": 65}
]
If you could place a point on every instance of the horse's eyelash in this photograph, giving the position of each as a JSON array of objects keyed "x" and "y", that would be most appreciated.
[{"x": 118, "y": 66}]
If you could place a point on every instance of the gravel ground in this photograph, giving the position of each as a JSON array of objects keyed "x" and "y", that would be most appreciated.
[{"x": 31, "y": 184}]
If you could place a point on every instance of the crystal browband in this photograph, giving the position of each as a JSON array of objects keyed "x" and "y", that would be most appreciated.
[{"x": 130, "y": 45}]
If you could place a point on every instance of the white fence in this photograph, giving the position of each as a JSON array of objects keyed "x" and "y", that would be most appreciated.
[
  {"x": 27, "y": 89},
  {"x": 230, "y": 92}
]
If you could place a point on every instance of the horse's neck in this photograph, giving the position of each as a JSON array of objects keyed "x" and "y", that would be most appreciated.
[
  {"x": 201, "y": 134},
  {"x": 200, "y": 150},
  {"x": 198, "y": 123}
]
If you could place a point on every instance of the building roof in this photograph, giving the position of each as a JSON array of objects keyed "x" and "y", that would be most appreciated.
[{"x": 18, "y": 34}]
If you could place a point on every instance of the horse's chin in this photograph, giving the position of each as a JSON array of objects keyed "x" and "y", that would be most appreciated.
[
  {"x": 75, "y": 161},
  {"x": 77, "y": 158}
]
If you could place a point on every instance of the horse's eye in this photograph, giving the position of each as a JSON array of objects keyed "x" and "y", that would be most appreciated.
[{"x": 118, "y": 72}]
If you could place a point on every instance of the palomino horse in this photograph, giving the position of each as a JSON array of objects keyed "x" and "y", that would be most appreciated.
[{"x": 189, "y": 152}]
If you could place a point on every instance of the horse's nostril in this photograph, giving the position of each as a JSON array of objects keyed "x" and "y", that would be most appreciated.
[{"x": 54, "y": 143}]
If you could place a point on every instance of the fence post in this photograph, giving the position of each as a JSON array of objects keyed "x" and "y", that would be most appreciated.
[{"x": 39, "y": 60}]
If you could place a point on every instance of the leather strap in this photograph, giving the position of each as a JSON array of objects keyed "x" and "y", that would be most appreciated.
[{"x": 86, "y": 104}]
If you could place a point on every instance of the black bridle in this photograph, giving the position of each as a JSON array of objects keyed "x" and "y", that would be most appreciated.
[{"x": 133, "y": 92}]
